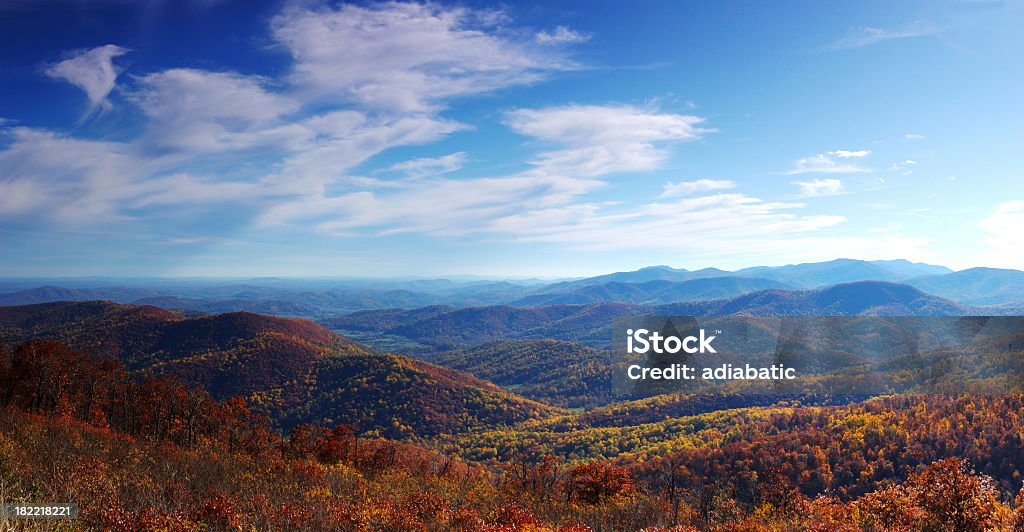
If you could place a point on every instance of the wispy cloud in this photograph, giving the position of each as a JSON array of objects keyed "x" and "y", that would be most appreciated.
[
  {"x": 186, "y": 241},
  {"x": 825, "y": 164},
  {"x": 408, "y": 56},
  {"x": 363, "y": 80},
  {"x": 561, "y": 36},
  {"x": 286, "y": 151},
  {"x": 819, "y": 187},
  {"x": 592, "y": 142},
  {"x": 688, "y": 223},
  {"x": 903, "y": 167},
  {"x": 846, "y": 154},
  {"x": 424, "y": 166},
  {"x": 599, "y": 140},
  {"x": 867, "y": 35},
  {"x": 198, "y": 110},
  {"x": 913, "y": 136},
  {"x": 67, "y": 179},
  {"x": 1003, "y": 235},
  {"x": 685, "y": 188},
  {"x": 711, "y": 228},
  {"x": 92, "y": 70}
]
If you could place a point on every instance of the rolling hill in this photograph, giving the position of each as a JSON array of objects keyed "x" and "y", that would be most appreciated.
[
  {"x": 909, "y": 269},
  {"x": 802, "y": 276},
  {"x": 49, "y": 293},
  {"x": 653, "y": 292},
  {"x": 847, "y": 299},
  {"x": 976, "y": 286},
  {"x": 290, "y": 369},
  {"x": 818, "y": 274},
  {"x": 273, "y": 307},
  {"x": 321, "y": 298},
  {"x": 447, "y": 328},
  {"x": 552, "y": 371}
]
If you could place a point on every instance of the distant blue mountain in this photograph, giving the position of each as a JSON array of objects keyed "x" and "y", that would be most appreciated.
[
  {"x": 911, "y": 269},
  {"x": 653, "y": 292},
  {"x": 860, "y": 298},
  {"x": 47, "y": 294},
  {"x": 976, "y": 286},
  {"x": 817, "y": 274},
  {"x": 650, "y": 273},
  {"x": 808, "y": 275},
  {"x": 1002, "y": 290},
  {"x": 447, "y": 328}
]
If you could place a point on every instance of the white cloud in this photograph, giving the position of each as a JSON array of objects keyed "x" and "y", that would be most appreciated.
[
  {"x": 845, "y": 154},
  {"x": 407, "y": 56},
  {"x": 84, "y": 182},
  {"x": 685, "y": 188},
  {"x": 913, "y": 136},
  {"x": 904, "y": 167},
  {"x": 65, "y": 178},
  {"x": 600, "y": 140},
  {"x": 397, "y": 63},
  {"x": 710, "y": 228},
  {"x": 823, "y": 164},
  {"x": 692, "y": 224},
  {"x": 561, "y": 35},
  {"x": 197, "y": 110},
  {"x": 1003, "y": 236},
  {"x": 185, "y": 189},
  {"x": 867, "y": 36},
  {"x": 425, "y": 166},
  {"x": 334, "y": 144},
  {"x": 92, "y": 71},
  {"x": 186, "y": 241},
  {"x": 368, "y": 79},
  {"x": 18, "y": 196},
  {"x": 595, "y": 140},
  {"x": 820, "y": 187}
]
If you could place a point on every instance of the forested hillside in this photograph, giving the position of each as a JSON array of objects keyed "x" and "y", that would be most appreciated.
[
  {"x": 291, "y": 370},
  {"x": 551, "y": 371},
  {"x": 159, "y": 455}
]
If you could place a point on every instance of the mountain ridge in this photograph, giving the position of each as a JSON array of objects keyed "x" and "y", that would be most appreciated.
[
  {"x": 590, "y": 324},
  {"x": 321, "y": 298},
  {"x": 291, "y": 369}
]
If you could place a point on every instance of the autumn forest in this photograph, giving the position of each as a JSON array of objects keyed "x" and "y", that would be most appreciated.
[{"x": 157, "y": 420}]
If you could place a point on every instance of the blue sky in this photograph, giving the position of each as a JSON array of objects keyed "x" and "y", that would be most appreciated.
[{"x": 230, "y": 138}]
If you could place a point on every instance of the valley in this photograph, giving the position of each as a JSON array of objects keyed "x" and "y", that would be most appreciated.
[{"x": 501, "y": 399}]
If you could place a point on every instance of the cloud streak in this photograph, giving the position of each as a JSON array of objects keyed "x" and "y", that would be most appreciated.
[
  {"x": 602, "y": 139},
  {"x": 868, "y": 36},
  {"x": 685, "y": 188},
  {"x": 561, "y": 35},
  {"x": 825, "y": 164},
  {"x": 820, "y": 187},
  {"x": 846, "y": 154},
  {"x": 425, "y": 166},
  {"x": 407, "y": 56}
]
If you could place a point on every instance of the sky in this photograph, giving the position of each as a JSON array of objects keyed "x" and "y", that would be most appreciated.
[{"x": 296, "y": 138}]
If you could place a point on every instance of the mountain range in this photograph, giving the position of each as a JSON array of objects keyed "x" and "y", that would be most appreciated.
[
  {"x": 449, "y": 327},
  {"x": 976, "y": 286},
  {"x": 323, "y": 298}
]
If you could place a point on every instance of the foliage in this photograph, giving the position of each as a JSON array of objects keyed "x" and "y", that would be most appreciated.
[
  {"x": 290, "y": 370},
  {"x": 551, "y": 371}
]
